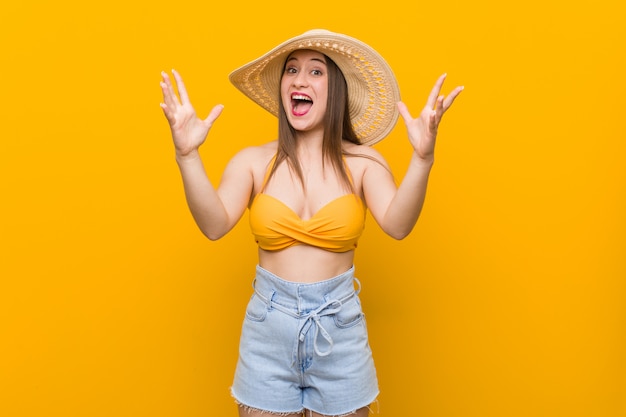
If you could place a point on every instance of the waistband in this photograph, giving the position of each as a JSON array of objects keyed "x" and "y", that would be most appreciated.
[
  {"x": 307, "y": 302},
  {"x": 304, "y": 297}
]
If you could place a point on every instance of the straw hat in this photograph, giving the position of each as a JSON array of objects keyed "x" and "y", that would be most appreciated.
[{"x": 372, "y": 87}]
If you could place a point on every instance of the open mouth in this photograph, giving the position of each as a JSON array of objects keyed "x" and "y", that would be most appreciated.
[{"x": 300, "y": 104}]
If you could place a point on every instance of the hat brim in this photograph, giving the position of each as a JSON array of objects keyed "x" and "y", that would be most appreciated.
[{"x": 373, "y": 91}]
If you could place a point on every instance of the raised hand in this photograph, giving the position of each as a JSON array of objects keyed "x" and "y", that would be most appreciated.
[
  {"x": 188, "y": 130},
  {"x": 422, "y": 130}
]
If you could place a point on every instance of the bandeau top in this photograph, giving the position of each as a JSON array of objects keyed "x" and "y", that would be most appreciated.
[{"x": 336, "y": 227}]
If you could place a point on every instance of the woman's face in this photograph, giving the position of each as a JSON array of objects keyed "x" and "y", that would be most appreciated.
[{"x": 304, "y": 90}]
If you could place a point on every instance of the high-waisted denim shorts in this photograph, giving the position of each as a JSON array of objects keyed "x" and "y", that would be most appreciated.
[{"x": 305, "y": 346}]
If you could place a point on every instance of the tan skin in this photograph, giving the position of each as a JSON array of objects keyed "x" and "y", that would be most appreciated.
[{"x": 217, "y": 210}]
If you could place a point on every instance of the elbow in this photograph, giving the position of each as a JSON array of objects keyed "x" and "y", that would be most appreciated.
[
  {"x": 212, "y": 230},
  {"x": 399, "y": 233},
  {"x": 213, "y": 234},
  {"x": 212, "y": 237},
  {"x": 399, "y": 230}
]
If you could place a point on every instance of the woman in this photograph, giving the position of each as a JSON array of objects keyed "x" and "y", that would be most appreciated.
[{"x": 304, "y": 345}]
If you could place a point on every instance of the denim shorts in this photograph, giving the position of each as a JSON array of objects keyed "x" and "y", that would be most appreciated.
[{"x": 305, "y": 346}]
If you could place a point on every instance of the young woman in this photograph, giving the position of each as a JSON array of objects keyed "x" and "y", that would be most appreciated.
[{"x": 304, "y": 346}]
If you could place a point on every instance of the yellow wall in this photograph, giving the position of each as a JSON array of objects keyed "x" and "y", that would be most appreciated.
[{"x": 507, "y": 300}]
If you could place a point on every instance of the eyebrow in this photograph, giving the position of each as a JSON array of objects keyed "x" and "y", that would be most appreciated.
[{"x": 293, "y": 58}]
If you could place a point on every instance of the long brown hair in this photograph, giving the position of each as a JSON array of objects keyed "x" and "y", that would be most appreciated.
[{"x": 337, "y": 127}]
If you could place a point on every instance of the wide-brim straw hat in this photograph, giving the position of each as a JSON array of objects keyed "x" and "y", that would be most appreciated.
[{"x": 373, "y": 91}]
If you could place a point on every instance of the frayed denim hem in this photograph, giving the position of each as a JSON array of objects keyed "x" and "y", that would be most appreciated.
[
  {"x": 303, "y": 412},
  {"x": 249, "y": 409}
]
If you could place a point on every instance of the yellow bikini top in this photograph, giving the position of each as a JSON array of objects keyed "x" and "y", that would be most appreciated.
[{"x": 336, "y": 227}]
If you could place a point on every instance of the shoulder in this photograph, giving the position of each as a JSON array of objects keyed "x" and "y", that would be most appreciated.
[
  {"x": 251, "y": 164},
  {"x": 252, "y": 156},
  {"x": 254, "y": 152},
  {"x": 364, "y": 156}
]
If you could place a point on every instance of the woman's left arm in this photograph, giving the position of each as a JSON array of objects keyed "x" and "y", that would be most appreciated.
[{"x": 397, "y": 210}]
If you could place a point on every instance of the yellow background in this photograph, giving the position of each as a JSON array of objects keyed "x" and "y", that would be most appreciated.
[{"x": 507, "y": 300}]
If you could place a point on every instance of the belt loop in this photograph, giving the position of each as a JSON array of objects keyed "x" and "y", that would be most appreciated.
[
  {"x": 270, "y": 300},
  {"x": 267, "y": 300},
  {"x": 358, "y": 286}
]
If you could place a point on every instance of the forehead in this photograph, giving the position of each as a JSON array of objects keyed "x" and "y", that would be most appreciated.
[{"x": 306, "y": 55}]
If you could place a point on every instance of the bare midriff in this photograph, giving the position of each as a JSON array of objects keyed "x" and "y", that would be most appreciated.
[{"x": 304, "y": 263}]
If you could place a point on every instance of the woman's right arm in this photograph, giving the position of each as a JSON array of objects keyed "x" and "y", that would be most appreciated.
[{"x": 216, "y": 211}]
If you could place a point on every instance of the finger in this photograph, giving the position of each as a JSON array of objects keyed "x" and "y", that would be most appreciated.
[
  {"x": 433, "y": 123},
  {"x": 214, "y": 114},
  {"x": 404, "y": 111},
  {"x": 435, "y": 91},
  {"x": 182, "y": 91},
  {"x": 166, "y": 111},
  {"x": 168, "y": 95},
  {"x": 451, "y": 97},
  {"x": 439, "y": 110},
  {"x": 167, "y": 81}
]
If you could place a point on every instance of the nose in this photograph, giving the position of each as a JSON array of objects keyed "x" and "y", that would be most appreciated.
[{"x": 300, "y": 80}]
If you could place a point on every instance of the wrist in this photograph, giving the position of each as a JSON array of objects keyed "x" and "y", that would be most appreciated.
[
  {"x": 423, "y": 161},
  {"x": 183, "y": 157}
]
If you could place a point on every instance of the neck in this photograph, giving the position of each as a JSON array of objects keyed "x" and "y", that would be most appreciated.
[{"x": 309, "y": 144}]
